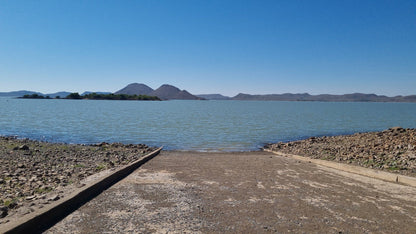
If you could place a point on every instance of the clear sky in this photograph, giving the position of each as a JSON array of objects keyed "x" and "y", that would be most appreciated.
[{"x": 210, "y": 46}]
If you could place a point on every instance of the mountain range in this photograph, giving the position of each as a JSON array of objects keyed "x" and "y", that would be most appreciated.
[
  {"x": 164, "y": 92},
  {"x": 354, "y": 97},
  {"x": 169, "y": 92},
  {"x": 21, "y": 93},
  {"x": 62, "y": 94},
  {"x": 213, "y": 97}
]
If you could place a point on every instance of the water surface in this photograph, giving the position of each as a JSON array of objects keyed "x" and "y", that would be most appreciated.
[{"x": 195, "y": 125}]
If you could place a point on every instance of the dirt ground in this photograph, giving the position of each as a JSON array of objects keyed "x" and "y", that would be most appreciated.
[{"x": 250, "y": 192}]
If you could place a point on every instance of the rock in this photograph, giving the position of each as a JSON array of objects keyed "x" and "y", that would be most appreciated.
[
  {"x": 22, "y": 147},
  {"x": 12, "y": 205},
  {"x": 50, "y": 166},
  {"x": 3, "y": 211},
  {"x": 397, "y": 129},
  {"x": 392, "y": 148},
  {"x": 33, "y": 179},
  {"x": 54, "y": 198},
  {"x": 102, "y": 144},
  {"x": 30, "y": 198},
  {"x": 24, "y": 211},
  {"x": 80, "y": 185},
  {"x": 22, "y": 178}
]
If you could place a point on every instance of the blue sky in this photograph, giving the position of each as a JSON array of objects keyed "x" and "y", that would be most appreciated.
[{"x": 224, "y": 46}]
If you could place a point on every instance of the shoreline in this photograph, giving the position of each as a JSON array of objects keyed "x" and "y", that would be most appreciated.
[
  {"x": 392, "y": 150},
  {"x": 36, "y": 173}
]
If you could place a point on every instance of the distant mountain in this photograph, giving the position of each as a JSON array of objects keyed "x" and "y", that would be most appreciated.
[
  {"x": 169, "y": 92},
  {"x": 273, "y": 97},
  {"x": 89, "y": 92},
  {"x": 60, "y": 94},
  {"x": 17, "y": 93},
  {"x": 354, "y": 97},
  {"x": 213, "y": 96},
  {"x": 135, "y": 88}
]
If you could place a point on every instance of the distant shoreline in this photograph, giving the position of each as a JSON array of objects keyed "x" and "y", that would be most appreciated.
[
  {"x": 95, "y": 96},
  {"x": 250, "y": 100},
  {"x": 169, "y": 92}
]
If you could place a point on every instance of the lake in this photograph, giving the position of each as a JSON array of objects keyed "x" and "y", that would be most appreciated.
[{"x": 195, "y": 125}]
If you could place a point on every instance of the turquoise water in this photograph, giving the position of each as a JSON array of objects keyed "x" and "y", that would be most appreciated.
[{"x": 195, "y": 125}]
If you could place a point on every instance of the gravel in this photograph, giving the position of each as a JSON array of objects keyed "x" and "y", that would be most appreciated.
[
  {"x": 392, "y": 150},
  {"x": 31, "y": 170}
]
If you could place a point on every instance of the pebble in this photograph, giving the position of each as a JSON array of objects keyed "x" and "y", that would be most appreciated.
[
  {"x": 392, "y": 150},
  {"x": 34, "y": 168}
]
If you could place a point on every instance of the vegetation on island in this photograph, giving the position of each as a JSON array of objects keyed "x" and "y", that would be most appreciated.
[
  {"x": 96, "y": 96},
  {"x": 35, "y": 96}
]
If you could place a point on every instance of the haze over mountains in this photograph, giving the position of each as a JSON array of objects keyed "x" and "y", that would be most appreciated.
[{"x": 169, "y": 92}]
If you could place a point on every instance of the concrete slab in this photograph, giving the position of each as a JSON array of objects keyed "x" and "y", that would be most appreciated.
[{"x": 251, "y": 192}]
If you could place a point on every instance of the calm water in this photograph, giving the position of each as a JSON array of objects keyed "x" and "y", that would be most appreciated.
[{"x": 195, "y": 125}]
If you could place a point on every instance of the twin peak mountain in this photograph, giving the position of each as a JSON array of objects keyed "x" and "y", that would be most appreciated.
[{"x": 164, "y": 92}]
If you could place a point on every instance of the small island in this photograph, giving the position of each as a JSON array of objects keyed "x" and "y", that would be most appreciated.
[
  {"x": 96, "y": 96},
  {"x": 37, "y": 96}
]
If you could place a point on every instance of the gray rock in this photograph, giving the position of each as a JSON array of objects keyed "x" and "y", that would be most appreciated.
[
  {"x": 3, "y": 211},
  {"x": 24, "y": 211},
  {"x": 22, "y": 147},
  {"x": 12, "y": 205},
  {"x": 29, "y": 198},
  {"x": 54, "y": 198}
]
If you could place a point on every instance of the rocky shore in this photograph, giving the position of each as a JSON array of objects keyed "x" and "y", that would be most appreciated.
[
  {"x": 33, "y": 172},
  {"x": 392, "y": 150}
]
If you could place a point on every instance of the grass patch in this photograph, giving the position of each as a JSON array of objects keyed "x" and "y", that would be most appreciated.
[
  {"x": 101, "y": 167},
  {"x": 394, "y": 168},
  {"x": 43, "y": 190},
  {"x": 11, "y": 203}
]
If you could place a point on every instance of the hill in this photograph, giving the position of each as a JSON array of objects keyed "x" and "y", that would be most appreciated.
[
  {"x": 17, "y": 93},
  {"x": 58, "y": 94},
  {"x": 135, "y": 89},
  {"x": 169, "y": 92},
  {"x": 273, "y": 97},
  {"x": 89, "y": 92},
  {"x": 213, "y": 96}
]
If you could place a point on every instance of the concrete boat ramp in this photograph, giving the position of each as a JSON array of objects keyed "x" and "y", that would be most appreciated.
[{"x": 247, "y": 192}]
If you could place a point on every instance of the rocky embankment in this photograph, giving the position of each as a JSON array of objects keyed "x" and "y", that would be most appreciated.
[
  {"x": 31, "y": 171},
  {"x": 392, "y": 150}
]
